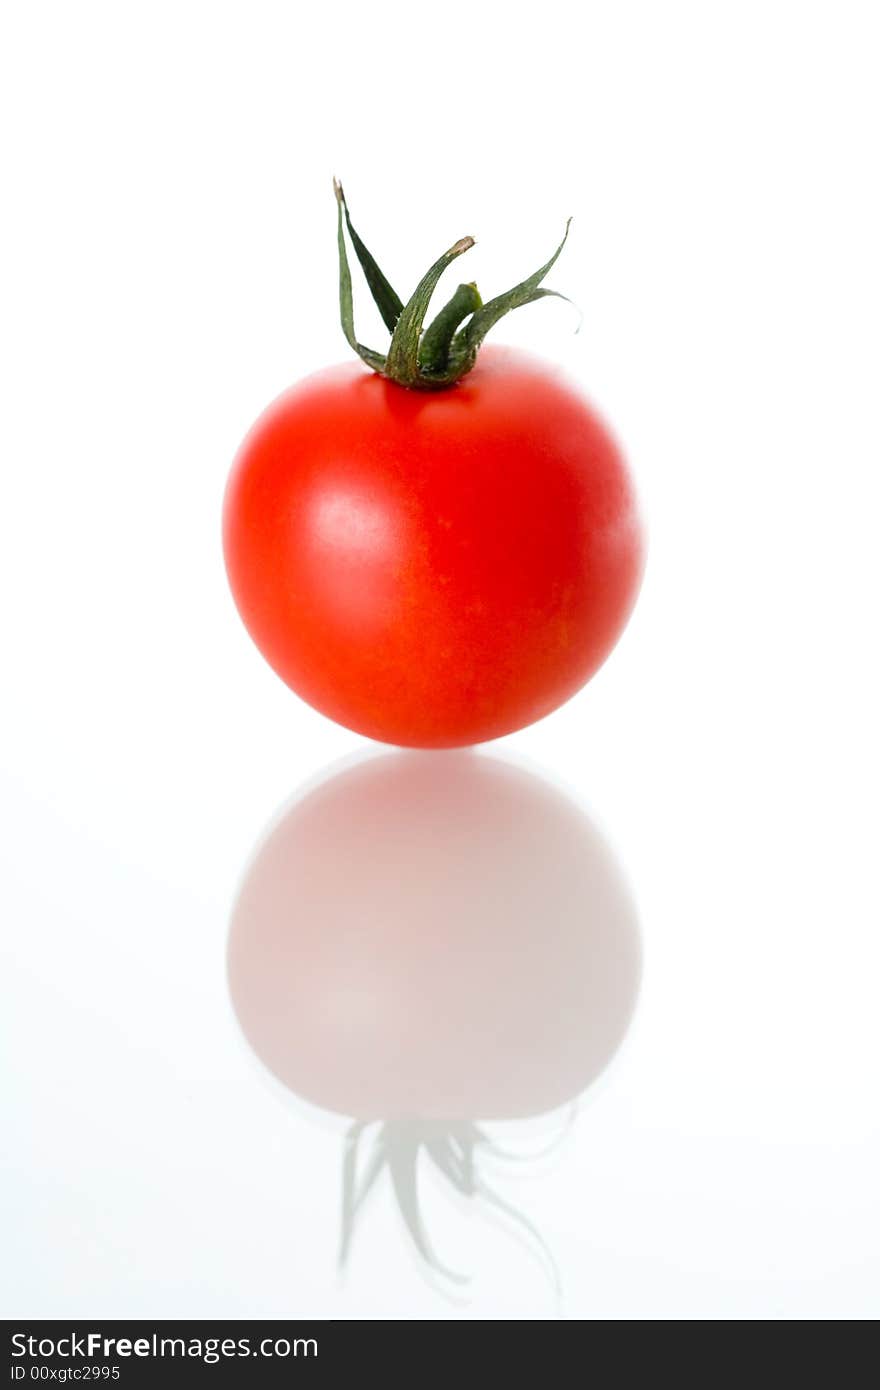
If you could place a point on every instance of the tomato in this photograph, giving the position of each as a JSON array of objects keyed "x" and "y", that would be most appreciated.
[
  {"x": 433, "y": 569},
  {"x": 438, "y": 939}
]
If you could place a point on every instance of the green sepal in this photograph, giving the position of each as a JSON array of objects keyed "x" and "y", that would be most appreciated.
[
  {"x": 402, "y": 362},
  {"x": 437, "y": 337},
  {"x": 471, "y": 336},
  {"x": 387, "y": 300},
  {"x": 346, "y": 307}
]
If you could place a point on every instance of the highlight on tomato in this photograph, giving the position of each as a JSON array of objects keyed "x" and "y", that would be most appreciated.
[
  {"x": 437, "y": 545},
  {"x": 426, "y": 946}
]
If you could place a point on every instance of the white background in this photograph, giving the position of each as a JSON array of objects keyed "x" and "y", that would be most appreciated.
[{"x": 168, "y": 266}]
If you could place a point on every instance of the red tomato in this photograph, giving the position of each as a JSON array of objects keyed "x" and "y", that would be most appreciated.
[{"x": 433, "y": 569}]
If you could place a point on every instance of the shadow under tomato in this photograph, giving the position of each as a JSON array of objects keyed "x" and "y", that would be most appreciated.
[{"x": 426, "y": 942}]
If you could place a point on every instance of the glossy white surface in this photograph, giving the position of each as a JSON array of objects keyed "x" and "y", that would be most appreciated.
[{"x": 170, "y": 267}]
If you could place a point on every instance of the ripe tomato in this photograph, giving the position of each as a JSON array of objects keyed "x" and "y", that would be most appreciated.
[{"x": 433, "y": 569}]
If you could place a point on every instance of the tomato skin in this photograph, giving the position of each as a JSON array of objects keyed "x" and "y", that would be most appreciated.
[{"x": 433, "y": 569}]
